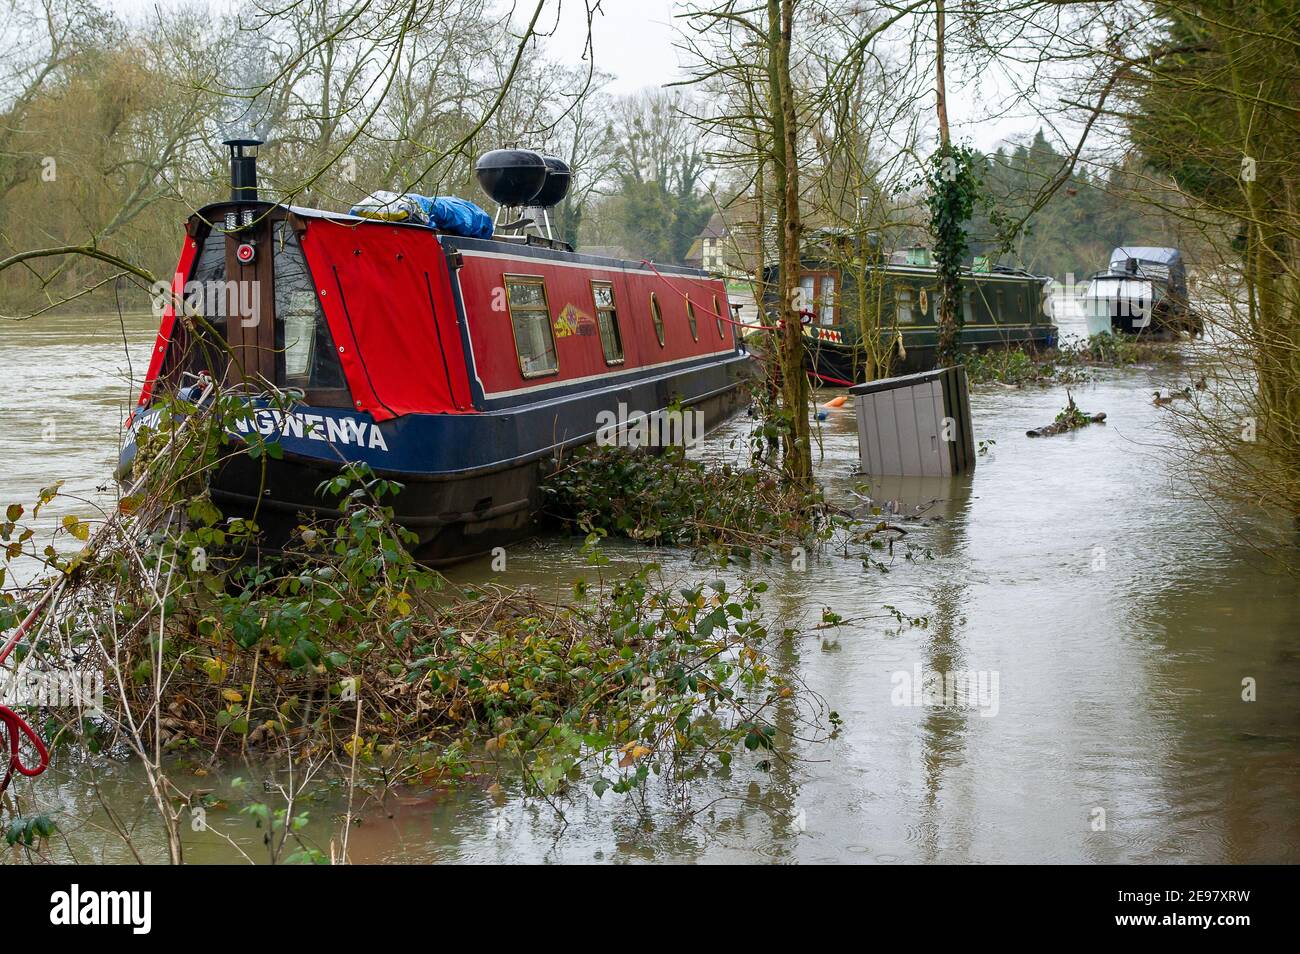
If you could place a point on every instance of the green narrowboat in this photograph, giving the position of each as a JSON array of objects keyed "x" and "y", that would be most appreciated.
[{"x": 868, "y": 316}]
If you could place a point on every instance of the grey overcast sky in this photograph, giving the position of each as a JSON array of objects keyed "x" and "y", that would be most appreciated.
[{"x": 633, "y": 41}]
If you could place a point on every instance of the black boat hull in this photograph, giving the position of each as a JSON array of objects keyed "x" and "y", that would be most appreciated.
[
  {"x": 463, "y": 513},
  {"x": 833, "y": 363}
]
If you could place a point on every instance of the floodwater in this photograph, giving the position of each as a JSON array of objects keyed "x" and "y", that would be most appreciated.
[{"x": 1079, "y": 576}]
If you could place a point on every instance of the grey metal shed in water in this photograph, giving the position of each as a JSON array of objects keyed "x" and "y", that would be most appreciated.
[{"x": 916, "y": 424}]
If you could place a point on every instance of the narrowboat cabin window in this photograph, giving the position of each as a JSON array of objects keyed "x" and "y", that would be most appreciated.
[
  {"x": 210, "y": 265},
  {"x": 807, "y": 292},
  {"x": 717, "y": 313},
  {"x": 690, "y": 318},
  {"x": 208, "y": 353},
  {"x": 310, "y": 360},
  {"x": 980, "y": 302},
  {"x": 817, "y": 296},
  {"x": 903, "y": 306},
  {"x": 611, "y": 342},
  {"x": 1016, "y": 309},
  {"x": 530, "y": 319},
  {"x": 658, "y": 317},
  {"x": 967, "y": 312},
  {"x": 827, "y": 309}
]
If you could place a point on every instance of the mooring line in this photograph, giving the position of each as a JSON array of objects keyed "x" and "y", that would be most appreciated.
[{"x": 649, "y": 264}]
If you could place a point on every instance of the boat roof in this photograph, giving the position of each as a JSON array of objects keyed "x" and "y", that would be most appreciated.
[
  {"x": 212, "y": 213},
  {"x": 208, "y": 213},
  {"x": 1003, "y": 274},
  {"x": 1147, "y": 253}
]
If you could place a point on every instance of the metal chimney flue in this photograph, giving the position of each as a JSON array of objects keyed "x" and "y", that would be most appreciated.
[{"x": 243, "y": 169}]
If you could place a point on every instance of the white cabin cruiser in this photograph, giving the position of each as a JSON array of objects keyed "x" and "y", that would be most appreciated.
[{"x": 1143, "y": 291}]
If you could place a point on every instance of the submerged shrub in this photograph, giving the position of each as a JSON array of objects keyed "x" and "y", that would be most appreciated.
[
  {"x": 666, "y": 499},
  {"x": 1018, "y": 368},
  {"x": 1068, "y": 364},
  {"x": 1120, "y": 350}
]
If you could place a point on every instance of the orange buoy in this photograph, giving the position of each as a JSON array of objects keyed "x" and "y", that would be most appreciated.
[{"x": 836, "y": 401}]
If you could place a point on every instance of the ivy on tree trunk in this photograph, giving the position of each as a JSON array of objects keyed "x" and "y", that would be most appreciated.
[{"x": 953, "y": 188}]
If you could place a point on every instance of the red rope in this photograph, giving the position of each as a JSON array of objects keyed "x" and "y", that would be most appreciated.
[
  {"x": 825, "y": 377},
  {"x": 651, "y": 265},
  {"x": 15, "y": 726}
]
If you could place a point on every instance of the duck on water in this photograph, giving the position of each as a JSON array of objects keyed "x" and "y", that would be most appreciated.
[{"x": 453, "y": 355}]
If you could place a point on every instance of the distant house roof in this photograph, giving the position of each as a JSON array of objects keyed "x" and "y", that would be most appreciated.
[
  {"x": 695, "y": 254},
  {"x": 716, "y": 227}
]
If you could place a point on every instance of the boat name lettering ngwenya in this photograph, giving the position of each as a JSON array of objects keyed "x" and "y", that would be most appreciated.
[
  {"x": 270, "y": 422},
  {"x": 317, "y": 427}
]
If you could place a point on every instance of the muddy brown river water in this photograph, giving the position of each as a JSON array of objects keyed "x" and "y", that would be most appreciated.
[{"x": 1079, "y": 576}]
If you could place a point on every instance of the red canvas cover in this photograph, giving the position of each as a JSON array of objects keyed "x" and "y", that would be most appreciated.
[
  {"x": 188, "y": 252},
  {"x": 385, "y": 294}
]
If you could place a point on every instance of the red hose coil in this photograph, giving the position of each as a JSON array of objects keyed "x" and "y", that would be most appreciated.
[{"x": 15, "y": 726}]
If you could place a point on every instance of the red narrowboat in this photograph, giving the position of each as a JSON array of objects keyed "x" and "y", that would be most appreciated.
[{"x": 460, "y": 367}]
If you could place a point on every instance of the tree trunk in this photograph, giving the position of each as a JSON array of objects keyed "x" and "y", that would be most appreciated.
[
  {"x": 949, "y": 289},
  {"x": 797, "y": 441}
]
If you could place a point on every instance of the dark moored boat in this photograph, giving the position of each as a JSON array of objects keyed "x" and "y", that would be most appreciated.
[
  {"x": 898, "y": 299},
  {"x": 457, "y": 366}
]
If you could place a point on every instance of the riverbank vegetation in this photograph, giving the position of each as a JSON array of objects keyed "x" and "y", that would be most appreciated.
[{"x": 358, "y": 664}]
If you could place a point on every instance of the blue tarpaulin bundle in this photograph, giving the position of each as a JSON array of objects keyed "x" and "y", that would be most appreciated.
[
  {"x": 445, "y": 212},
  {"x": 458, "y": 216}
]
